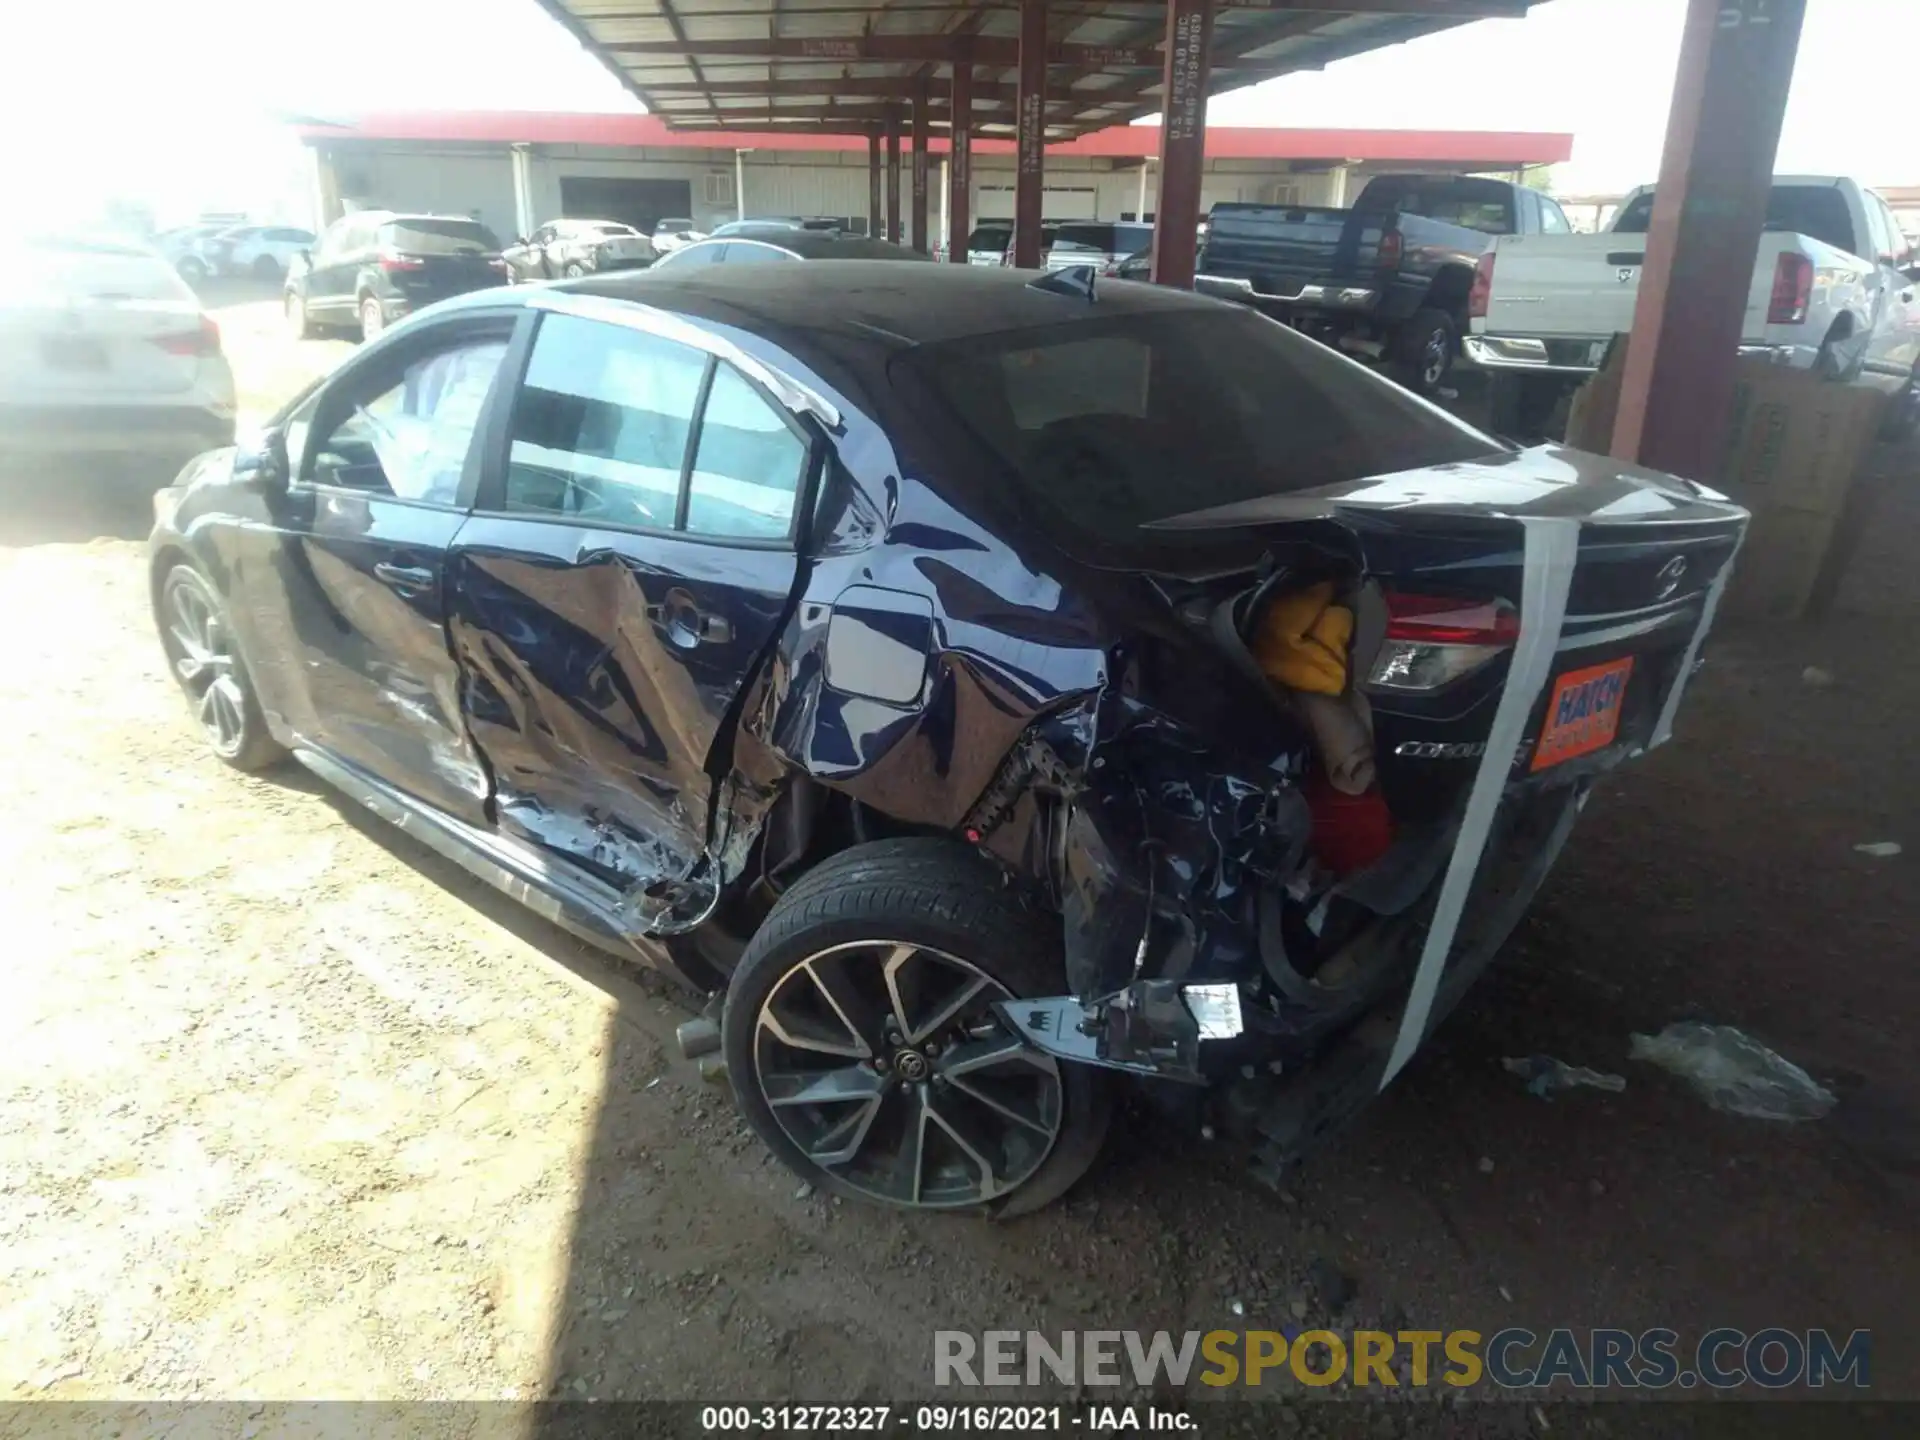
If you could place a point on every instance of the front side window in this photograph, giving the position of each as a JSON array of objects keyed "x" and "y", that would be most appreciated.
[
  {"x": 601, "y": 424},
  {"x": 410, "y": 439}
]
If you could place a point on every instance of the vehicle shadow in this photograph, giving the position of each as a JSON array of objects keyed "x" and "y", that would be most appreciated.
[{"x": 57, "y": 500}]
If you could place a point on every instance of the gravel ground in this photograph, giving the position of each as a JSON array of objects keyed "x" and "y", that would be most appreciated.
[{"x": 289, "y": 1108}]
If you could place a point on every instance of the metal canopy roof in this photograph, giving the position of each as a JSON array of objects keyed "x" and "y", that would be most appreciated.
[{"x": 845, "y": 65}]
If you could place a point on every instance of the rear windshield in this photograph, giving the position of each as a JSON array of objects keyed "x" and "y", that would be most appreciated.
[
  {"x": 990, "y": 237},
  {"x": 1816, "y": 210},
  {"x": 1473, "y": 204},
  {"x": 440, "y": 237},
  {"x": 1103, "y": 239},
  {"x": 611, "y": 227},
  {"x": 1117, "y": 423}
]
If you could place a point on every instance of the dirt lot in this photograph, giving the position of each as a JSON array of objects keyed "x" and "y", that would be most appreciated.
[{"x": 290, "y": 1108}]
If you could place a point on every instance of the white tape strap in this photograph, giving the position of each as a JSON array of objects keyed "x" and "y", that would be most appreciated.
[
  {"x": 1663, "y": 730},
  {"x": 1552, "y": 545}
]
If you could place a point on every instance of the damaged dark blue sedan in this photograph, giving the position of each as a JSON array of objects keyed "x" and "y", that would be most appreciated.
[{"x": 981, "y": 687}]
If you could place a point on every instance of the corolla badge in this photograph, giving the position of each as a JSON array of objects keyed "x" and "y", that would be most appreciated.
[{"x": 1670, "y": 576}]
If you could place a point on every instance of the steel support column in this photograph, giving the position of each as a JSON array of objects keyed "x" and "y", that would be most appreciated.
[
  {"x": 1183, "y": 140},
  {"x": 1676, "y": 397},
  {"x": 893, "y": 176},
  {"x": 875, "y": 216},
  {"x": 1029, "y": 179},
  {"x": 918, "y": 213},
  {"x": 960, "y": 164}
]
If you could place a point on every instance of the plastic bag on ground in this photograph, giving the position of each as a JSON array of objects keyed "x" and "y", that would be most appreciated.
[{"x": 1734, "y": 1072}]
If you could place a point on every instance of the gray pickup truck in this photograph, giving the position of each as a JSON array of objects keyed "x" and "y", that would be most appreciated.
[{"x": 1388, "y": 278}]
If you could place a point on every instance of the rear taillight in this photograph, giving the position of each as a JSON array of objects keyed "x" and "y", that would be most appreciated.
[
  {"x": 391, "y": 261},
  {"x": 1432, "y": 640},
  {"x": 499, "y": 267},
  {"x": 1482, "y": 290},
  {"x": 203, "y": 340},
  {"x": 1391, "y": 249},
  {"x": 1792, "y": 289}
]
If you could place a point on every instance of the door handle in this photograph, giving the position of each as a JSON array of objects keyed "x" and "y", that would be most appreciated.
[
  {"x": 684, "y": 624},
  {"x": 404, "y": 577}
]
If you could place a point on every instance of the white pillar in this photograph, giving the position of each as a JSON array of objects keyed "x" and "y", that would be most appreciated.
[
  {"x": 1337, "y": 187},
  {"x": 521, "y": 157},
  {"x": 323, "y": 186},
  {"x": 1140, "y": 206},
  {"x": 739, "y": 185}
]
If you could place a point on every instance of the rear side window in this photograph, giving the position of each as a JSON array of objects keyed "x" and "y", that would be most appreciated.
[
  {"x": 1816, "y": 210},
  {"x": 747, "y": 465},
  {"x": 1115, "y": 424},
  {"x": 613, "y": 426},
  {"x": 990, "y": 237},
  {"x": 1473, "y": 204},
  {"x": 428, "y": 236},
  {"x": 601, "y": 424}
]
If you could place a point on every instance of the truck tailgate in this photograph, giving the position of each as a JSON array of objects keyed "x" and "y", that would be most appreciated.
[
  {"x": 1586, "y": 286},
  {"x": 1280, "y": 247}
]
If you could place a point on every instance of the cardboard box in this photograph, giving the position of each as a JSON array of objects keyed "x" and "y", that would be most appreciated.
[{"x": 1794, "y": 444}]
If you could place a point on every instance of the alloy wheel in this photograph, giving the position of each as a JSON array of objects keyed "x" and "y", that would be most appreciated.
[
  {"x": 1433, "y": 358},
  {"x": 885, "y": 1064},
  {"x": 372, "y": 320},
  {"x": 203, "y": 660}
]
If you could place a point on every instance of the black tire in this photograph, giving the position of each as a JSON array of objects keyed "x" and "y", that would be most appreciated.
[
  {"x": 265, "y": 267},
  {"x": 1829, "y": 365},
  {"x": 946, "y": 905},
  {"x": 298, "y": 321},
  {"x": 574, "y": 270},
  {"x": 203, "y": 659},
  {"x": 1422, "y": 351}
]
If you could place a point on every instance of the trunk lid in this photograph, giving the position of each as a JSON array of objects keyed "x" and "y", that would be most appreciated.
[{"x": 1649, "y": 550}]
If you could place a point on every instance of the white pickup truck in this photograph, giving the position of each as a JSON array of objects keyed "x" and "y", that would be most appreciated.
[{"x": 1836, "y": 289}]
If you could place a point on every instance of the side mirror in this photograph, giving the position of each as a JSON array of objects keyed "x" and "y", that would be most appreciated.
[{"x": 260, "y": 461}]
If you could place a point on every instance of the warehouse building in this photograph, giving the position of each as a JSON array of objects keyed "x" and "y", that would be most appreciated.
[{"x": 516, "y": 170}]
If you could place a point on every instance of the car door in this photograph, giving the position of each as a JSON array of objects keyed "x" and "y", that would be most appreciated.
[
  {"x": 350, "y": 610},
  {"x": 1897, "y": 347},
  {"x": 626, "y": 570},
  {"x": 330, "y": 280}
]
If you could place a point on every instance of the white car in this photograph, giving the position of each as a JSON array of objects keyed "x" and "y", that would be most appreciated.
[
  {"x": 1833, "y": 290},
  {"x": 671, "y": 234},
  {"x": 263, "y": 251},
  {"x": 105, "y": 353}
]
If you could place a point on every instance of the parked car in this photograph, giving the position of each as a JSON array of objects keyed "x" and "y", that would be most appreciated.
[
  {"x": 106, "y": 354},
  {"x": 263, "y": 251},
  {"x": 1102, "y": 244},
  {"x": 670, "y": 234},
  {"x": 1833, "y": 290},
  {"x": 743, "y": 244},
  {"x": 834, "y": 223},
  {"x": 181, "y": 248},
  {"x": 1389, "y": 278},
  {"x": 374, "y": 267},
  {"x": 832, "y": 637},
  {"x": 577, "y": 247}
]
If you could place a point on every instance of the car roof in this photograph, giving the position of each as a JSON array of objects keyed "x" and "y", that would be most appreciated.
[{"x": 903, "y": 305}]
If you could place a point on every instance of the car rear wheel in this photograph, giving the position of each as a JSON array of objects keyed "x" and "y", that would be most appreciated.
[
  {"x": 1423, "y": 351},
  {"x": 265, "y": 267},
  {"x": 295, "y": 305},
  {"x": 575, "y": 270},
  {"x": 373, "y": 320},
  {"x": 1903, "y": 415},
  {"x": 206, "y": 662},
  {"x": 863, "y": 1048}
]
